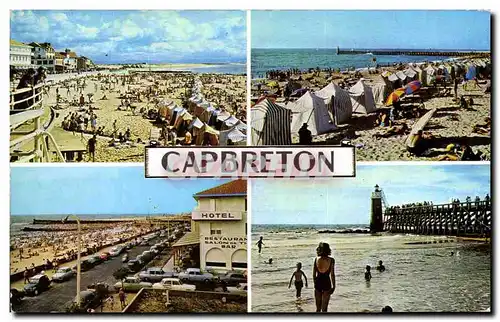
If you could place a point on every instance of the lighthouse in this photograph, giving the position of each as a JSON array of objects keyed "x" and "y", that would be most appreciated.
[{"x": 376, "y": 222}]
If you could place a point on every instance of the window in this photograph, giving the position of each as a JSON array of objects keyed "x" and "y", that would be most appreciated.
[
  {"x": 215, "y": 229},
  {"x": 245, "y": 204},
  {"x": 216, "y": 264},
  {"x": 239, "y": 265}
]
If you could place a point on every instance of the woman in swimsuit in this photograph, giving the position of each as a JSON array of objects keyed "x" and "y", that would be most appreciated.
[{"x": 324, "y": 277}]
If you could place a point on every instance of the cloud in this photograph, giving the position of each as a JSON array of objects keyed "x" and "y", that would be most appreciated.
[{"x": 162, "y": 36}]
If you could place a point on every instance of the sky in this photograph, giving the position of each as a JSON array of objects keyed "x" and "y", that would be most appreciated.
[
  {"x": 465, "y": 30},
  {"x": 137, "y": 36},
  {"x": 348, "y": 200},
  {"x": 100, "y": 190}
]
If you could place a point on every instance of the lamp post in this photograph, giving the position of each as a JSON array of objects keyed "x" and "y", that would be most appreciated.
[{"x": 78, "y": 260}]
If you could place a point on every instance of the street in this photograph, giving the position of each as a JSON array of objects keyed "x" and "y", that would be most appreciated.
[{"x": 60, "y": 295}]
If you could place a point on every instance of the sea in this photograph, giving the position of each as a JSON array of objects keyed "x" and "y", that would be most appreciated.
[
  {"x": 418, "y": 278},
  {"x": 280, "y": 59},
  {"x": 231, "y": 68}
]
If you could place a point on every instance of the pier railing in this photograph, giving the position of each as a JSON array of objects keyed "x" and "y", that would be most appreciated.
[
  {"x": 453, "y": 219},
  {"x": 26, "y": 126}
]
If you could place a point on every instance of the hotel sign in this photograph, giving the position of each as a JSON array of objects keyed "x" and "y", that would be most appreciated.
[{"x": 216, "y": 215}]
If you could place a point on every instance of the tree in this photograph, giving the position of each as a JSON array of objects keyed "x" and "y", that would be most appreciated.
[{"x": 120, "y": 274}]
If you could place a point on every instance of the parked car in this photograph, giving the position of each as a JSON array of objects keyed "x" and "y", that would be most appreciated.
[
  {"x": 134, "y": 265},
  {"x": 63, "y": 274},
  {"x": 125, "y": 258},
  {"x": 154, "y": 274},
  {"x": 238, "y": 289},
  {"x": 89, "y": 299},
  {"x": 16, "y": 296},
  {"x": 37, "y": 284},
  {"x": 154, "y": 250},
  {"x": 233, "y": 278},
  {"x": 85, "y": 265},
  {"x": 171, "y": 283},
  {"x": 147, "y": 256},
  {"x": 95, "y": 260},
  {"x": 132, "y": 284},
  {"x": 194, "y": 275},
  {"x": 115, "y": 251},
  {"x": 105, "y": 256}
]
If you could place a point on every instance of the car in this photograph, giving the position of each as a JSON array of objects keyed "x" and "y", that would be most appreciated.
[
  {"x": 125, "y": 258},
  {"x": 134, "y": 265},
  {"x": 105, "y": 256},
  {"x": 147, "y": 256},
  {"x": 238, "y": 289},
  {"x": 89, "y": 299},
  {"x": 233, "y": 278},
  {"x": 195, "y": 275},
  {"x": 36, "y": 285},
  {"x": 132, "y": 284},
  {"x": 115, "y": 251},
  {"x": 95, "y": 260},
  {"x": 170, "y": 283},
  {"x": 154, "y": 274},
  {"x": 154, "y": 250},
  {"x": 63, "y": 274},
  {"x": 16, "y": 296},
  {"x": 85, "y": 265}
]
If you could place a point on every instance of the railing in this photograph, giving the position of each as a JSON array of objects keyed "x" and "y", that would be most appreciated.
[{"x": 25, "y": 109}]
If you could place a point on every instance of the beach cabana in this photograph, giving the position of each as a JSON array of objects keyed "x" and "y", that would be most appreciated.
[
  {"x": 362, "y": 98},
  {"x": 337, "y": 101},
  {"x": 234, "y": 134},
  {"x": 471, "y": 72},
  {"x": 312, "y": 110},
  {"x": 378, "y": 90},
  {"x": 270, "y": 124}
]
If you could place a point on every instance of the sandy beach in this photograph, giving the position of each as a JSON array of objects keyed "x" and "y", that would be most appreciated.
[
  {"x": 127, "y": 103},
  {"x": 449, "y": 125}
]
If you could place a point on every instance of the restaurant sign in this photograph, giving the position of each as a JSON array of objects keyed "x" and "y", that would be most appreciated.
[
  {"x": 226, "y": 241},
  {"x": 216, "y": 215}
]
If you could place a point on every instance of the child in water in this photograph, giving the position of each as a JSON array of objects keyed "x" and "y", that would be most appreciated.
[
  {"x": 380, "y": 266},
  {"x": 298, "y": 280},
  {"x": 260, "y": 243},
  {"x": 368, "y": 274}
]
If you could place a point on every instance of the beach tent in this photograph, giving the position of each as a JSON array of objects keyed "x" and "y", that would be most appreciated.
[
  {"x": 430, "y": 71},
  {"x": 234, "y": 134},
  {"x": 402, "y": 76},
  {"x": 411, "y": 75},
  {"x": 362, "y": 98},
  {"x": 471, "y": 72},
  {"x": 337, "y": 101},
  {"x": 312, "y": 110},
  {"x": 378, "y": 90},
  {"x": 270, "y": 124}
]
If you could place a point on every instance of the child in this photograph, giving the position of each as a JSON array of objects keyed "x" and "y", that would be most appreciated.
[
  {"x": 260, "y": 243},
  {"x": 298, "y": 280},
  {"x": 368, "y": 274},
  {"x": 380, "y": 266}
]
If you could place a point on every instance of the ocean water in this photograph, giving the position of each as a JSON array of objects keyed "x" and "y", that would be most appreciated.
[
  {"x": 418, "y": 278},
  {"x": 234, "y": 68},
  {"x": 280, "y": 59}
]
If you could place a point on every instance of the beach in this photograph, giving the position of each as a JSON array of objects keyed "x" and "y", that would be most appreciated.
[
  {"x": 418, "y": 278},
  {"x": 450, "y": 124},
  {"x": 125, "y": 104}
]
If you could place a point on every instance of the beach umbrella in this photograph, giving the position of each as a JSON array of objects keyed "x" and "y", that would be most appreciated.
[
  {"x": 412, "y": 87},
  {"x": 395, "y": 96}
]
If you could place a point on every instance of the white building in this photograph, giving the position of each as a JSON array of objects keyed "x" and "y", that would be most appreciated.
[
  {"x": 43, "y": 55},
  {"x": 20, "y": 54},
  {"x": 218, "y": 227}
]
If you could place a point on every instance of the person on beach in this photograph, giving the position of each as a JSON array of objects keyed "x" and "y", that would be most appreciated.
[
  {"x": 368, "y": 274},
  {"x": 380, "y": 266},
  {"x": 260, "y": 243},
  {"x": 298, "y": 280},
  {"x": 26, "y": 275},
  {"x": 91, "y": 144},
  {"x": 305, "y": 137},
  {"x": 324, "y": 277}
]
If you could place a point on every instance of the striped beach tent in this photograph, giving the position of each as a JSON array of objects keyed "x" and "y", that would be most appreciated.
[
  {"x": 340, "y": 106},
  {"x": 270, "y": 124}
]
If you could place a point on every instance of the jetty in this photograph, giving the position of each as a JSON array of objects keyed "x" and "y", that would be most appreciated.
[
  {"x": 391, "y": 52},
  {"x": 471, "y": 218}
]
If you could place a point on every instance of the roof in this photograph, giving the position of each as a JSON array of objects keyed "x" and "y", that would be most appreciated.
[
  {"x": 191, "y": 238},
  {"x": 18, "y": 43},
  {"x": 230, "y": 189},
  {"x": 60, "y": 55}
]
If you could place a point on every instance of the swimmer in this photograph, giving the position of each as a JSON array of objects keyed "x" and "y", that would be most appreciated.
[
  {"x": 260, "y": 243},
  {"x": 368, "y": 274},
  {"x": 270, "y": 261},
  {"x": 298, "y": 280},
  {"x": 380, "y": 267},
  {"x": 387, "y": 309},
  {"x": 452, "y": 254}
]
